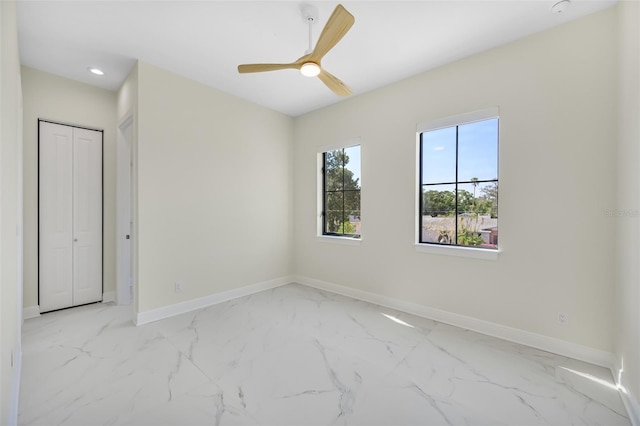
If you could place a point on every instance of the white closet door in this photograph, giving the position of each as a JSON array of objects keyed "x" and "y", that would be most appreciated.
[
  {"x": 87, "y": 216},
  {"x": 70, "y": 216},
  {"x": 56, "y": 225}
]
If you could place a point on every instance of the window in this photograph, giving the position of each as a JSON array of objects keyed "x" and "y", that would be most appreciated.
[
  {"x": 341, "y": 184},
  {"x": 458, "y": 180}
]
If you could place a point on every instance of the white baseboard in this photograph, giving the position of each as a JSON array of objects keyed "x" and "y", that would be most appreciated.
[
  {"x": 15, "y": 388},
  {"x": 628, "y": 398},
  {"x": 538, "y": 341},
  {"x": 632, "y": 406},
  {"x": 203, "y": 302},
  {"x": 108, "y": 296},
  {"x": 30, "y": 312}
]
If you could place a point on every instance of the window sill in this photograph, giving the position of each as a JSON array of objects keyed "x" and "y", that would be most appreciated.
[
  {"x": 348, "y": 241},
  {"x": 474, "y": 253}
]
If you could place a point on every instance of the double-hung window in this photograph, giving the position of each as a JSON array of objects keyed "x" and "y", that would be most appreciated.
[
  {"x": 458, "y": 181},
  {"x": 341, "y": 184}
]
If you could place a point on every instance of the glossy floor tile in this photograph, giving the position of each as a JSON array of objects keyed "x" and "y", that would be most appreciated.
[{"x": 296, "y": 356}]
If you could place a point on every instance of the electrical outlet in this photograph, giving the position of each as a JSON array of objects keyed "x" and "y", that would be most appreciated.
[
  {"x": 563, "y": 319},
  {"x": 178, "y": 287}
]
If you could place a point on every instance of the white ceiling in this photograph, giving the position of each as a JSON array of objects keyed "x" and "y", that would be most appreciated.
[{"x": 206, "y": 40}]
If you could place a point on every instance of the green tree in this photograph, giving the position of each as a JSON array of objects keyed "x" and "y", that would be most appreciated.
[
  {"x": 467, "y": 230},
  {"x": 466, "y": 201},
  {"x": 482, "y": 206},
  {"x": 490, "y": 198},
  {"x": 346, "y": 228},
  {"x": 474, "y": 182},
  {"x": 342, "y": 192},
  {"x": 439, "y": 203},
  {"x": 443, "y": 203}
]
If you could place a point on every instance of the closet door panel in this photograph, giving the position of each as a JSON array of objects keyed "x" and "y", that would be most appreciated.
[
  {"x": 87, "y": 212},
  {"x": 55, "y": 212}
]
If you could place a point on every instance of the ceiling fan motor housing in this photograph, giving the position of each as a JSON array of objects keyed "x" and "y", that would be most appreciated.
[{"x": 309, "y": 13}]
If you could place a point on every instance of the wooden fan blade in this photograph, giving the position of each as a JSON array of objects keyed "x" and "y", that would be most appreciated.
[
  {"x": 333, "y": 83},
  {"x": 246, "y": 68},
  {"x": 337, "y": 26}
]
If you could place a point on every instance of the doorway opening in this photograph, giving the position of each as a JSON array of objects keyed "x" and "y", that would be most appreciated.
[{"x": 124, "y": 214}]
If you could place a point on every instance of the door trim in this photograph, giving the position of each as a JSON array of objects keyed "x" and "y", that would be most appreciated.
[{"x": 124, "y": 215}]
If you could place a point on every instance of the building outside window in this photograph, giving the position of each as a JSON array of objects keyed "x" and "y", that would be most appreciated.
[
  {"x": 458, "y": 180},
  {"x": 341, "y": 184}
]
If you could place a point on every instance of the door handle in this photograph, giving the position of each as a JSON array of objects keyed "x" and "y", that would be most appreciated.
[{"x": 75, "y": 240}]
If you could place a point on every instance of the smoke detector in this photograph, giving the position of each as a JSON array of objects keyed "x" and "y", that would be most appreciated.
[{"x": 560, "y": 6}]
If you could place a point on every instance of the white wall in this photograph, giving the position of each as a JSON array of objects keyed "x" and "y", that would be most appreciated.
[
  {"x": 557, "y": 96},
  {"x": 10, "y": 213},
  {"x": 214, "y": 190},
  {"x": 627, "y": 212},
  {"x": 59, "y": 99}
]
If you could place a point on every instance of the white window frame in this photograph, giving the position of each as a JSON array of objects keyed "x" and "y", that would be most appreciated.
[
  {"x": 459, "y": 251},
  {"x": 337, "y": 239}
]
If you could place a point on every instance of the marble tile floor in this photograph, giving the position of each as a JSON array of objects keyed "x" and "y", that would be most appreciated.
[{"x": 295, "y": 355}]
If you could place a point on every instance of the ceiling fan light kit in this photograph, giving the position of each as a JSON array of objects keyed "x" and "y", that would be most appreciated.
[
  {"x": 310, "y": 69},
  {"x": 309, "y": 64}
]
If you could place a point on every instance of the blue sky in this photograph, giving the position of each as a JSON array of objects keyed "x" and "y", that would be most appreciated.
[{"x": 477, "y": 153}]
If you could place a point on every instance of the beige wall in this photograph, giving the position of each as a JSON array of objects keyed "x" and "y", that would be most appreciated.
[
  {"x": 10, "y": 213},
  {"x": 227, "y": 189},
  {"x": 214, "y": 190},
  {"x": 627, "y": 217},
  {"x": 59, "y": 99},
  {"x": 557, "y": 96}
]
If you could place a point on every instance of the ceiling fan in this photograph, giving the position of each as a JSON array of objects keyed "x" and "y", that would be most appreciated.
[{"x": 336, "y": 27}]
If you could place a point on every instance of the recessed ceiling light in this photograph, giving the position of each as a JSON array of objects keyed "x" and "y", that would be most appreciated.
[
  {"x": 96, "y": 71},
  {"x": 560, "y": 6}
]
